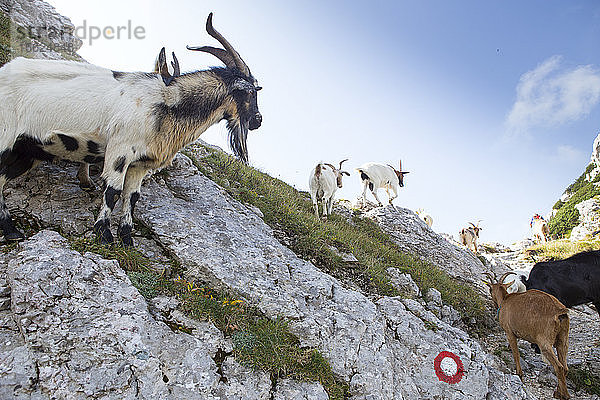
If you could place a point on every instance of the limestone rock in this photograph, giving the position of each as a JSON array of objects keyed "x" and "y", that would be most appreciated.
[
  {"x": 413, "y": 236},
  {"x": 589, "y": 219},
  {"x": 77, "y": 329},
  {"x": 224, "y": 243},
  {"x": 52, "y": 34}
]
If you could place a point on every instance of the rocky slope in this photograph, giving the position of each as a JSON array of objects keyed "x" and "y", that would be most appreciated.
[{"x": 384, "y": 349}]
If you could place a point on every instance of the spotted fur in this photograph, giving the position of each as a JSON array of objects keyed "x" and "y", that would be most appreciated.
[{"x": 131, "y": 121}]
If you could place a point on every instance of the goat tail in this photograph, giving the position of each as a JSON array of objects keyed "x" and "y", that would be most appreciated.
[
  {"x": 563, "y": 318},
  {"x": 562, "y": 323}
]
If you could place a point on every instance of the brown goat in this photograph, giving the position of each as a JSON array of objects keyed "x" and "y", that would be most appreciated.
[{"x": 539, "y": 318}]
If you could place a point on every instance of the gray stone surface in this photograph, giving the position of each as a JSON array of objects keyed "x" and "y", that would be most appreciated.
[
  {"x": 44, "y": 194},
  {"x": 77, "y": 329},
  {"x": 52, "y": 33},
  {"x": 412, "y": 235},
  {"x": 589, "y": 219}
]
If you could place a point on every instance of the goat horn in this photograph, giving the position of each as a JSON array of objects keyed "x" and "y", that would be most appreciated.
[
  {"x": 329, "y": 165},
  {"x": 505, "y": 275},
  {"x": 341, "y": 162},
  {"x": 229, "y": 56},
  {"x": 491, "y": 277},
  {"x": 400, "y": 165},
  {"x": 175, "y": 65}
]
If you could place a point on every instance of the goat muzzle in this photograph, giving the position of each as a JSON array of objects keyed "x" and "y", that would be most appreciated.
[{"x": 255, "y": 122}]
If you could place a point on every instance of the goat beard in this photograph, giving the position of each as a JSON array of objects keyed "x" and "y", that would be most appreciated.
[{"x": 238, "y": 132}]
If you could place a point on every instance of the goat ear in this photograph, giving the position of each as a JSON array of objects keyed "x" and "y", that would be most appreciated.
[
  {"x": 162, "y": 68},
  {"x": 487, "y": 283}
]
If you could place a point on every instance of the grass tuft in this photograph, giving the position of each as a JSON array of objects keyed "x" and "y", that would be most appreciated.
[
  {"x": 129, "y": 258},
  {"x": 5, "y": 49},
  {"x": 561, "y": 249},
  {"x": 583, "y": 379}
]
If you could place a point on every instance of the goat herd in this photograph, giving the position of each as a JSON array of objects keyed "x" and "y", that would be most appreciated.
[{"x": 132, "y": 122}]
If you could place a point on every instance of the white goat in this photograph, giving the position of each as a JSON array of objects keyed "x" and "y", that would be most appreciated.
[
  {"x": 375, "y": 176},
  {"x": 468, "y": 236},
  {"x": 132, "y": 122},
  {"x": 324, "y": 181},
  {"x": 428, "y": 219},
  {"x": 516, "y": 285},
  {"x": 540, "y": 228}
]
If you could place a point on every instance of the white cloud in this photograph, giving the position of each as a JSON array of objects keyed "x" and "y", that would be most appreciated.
[{"x": 550, "y": 96}]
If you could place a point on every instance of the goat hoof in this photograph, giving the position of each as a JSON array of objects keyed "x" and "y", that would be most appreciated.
[
  {"x": 103, "y": 234},
  {"x": 124, "y": 234}
]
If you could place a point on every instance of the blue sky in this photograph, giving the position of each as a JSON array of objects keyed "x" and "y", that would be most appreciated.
[{"x": 492, "y": 106}]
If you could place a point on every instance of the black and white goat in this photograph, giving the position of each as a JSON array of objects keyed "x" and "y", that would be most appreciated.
[
  {"x": 375, "y": 176},
  {"x": 160, "y": 67},
  {"x": 324, "y": 181},
  {"x": 468, "y": 236},
  {"x": 132, "y": 122}
]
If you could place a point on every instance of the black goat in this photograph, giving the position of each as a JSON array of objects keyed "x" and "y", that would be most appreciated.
[{"x": 573, "y": 281}]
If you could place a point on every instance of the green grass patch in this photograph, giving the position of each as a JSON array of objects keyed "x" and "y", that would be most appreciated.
[
  {"x": 7, "y": 247},
  {"x": 288, "y": 210},
  {"x": 583, "y": 379},
  {"x": 567, "y": 216},
  {"x": 561, "y": 249},
  {"x": 129, "y": 258}
]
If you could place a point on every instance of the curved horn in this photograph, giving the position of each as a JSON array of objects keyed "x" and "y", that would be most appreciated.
[
  {"x": 491, "y": 277},
  {"x": 505, "y": 275},
  {"x": 329, "y": 165},
  {"x": 233, "y": 57},
  {"x": 400, "y": 165},
  {"x": 221, "y": 54},
  {"x": 341, "y": 162},
  {"x": 175, "y": 65}
]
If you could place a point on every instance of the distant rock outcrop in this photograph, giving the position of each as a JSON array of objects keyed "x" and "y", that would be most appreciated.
[
  {"x": 413, "y": 236},
  {"x": 43, "y": 32}
]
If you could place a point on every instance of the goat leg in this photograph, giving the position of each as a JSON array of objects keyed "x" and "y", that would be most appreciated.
[{"x": 512, "y": 341}]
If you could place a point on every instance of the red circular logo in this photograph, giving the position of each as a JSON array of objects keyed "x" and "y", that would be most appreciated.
[{"x": 442, "y": 371}]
